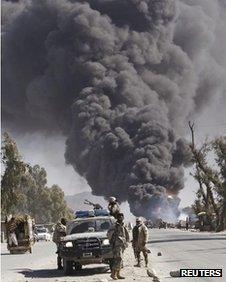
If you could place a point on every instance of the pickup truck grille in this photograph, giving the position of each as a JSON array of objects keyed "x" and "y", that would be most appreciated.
[{"x": 86, "y": 244}]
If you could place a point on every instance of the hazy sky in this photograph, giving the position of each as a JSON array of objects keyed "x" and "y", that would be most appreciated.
[{"x": 49, "y": 153}]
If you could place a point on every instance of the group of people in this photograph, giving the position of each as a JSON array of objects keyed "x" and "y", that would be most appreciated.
[
  {"x": 118, "y": 236},
  {"x": 119, "y": 239}
]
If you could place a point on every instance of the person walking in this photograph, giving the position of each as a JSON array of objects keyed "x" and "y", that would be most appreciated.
[
  {"x": 118, "y": 236},
  {"x": 139, "y": 241}
]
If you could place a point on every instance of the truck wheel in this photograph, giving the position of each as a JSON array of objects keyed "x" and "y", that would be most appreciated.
[
  {"x": 78, "y": 266},
  {"x": 67, "y": 266}
]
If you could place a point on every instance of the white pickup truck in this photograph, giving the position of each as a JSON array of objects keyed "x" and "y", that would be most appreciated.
[{"x": 86, "y": 243}]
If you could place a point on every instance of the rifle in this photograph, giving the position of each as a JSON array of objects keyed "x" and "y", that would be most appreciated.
[{"x": 95, "y": 206}]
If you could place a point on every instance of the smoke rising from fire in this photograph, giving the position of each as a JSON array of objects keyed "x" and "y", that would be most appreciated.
[{"x": 119, "y": 78}]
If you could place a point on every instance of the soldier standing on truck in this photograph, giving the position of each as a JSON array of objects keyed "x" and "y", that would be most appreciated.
[
  {"x": 140, "y": 238},
  {"x": 60, "y": 231},
  {"x": 118, "y": 236},
  {"x": 113, "y": 207}
]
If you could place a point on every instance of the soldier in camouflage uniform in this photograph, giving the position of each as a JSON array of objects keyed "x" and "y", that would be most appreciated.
[
  {"x": 60, "y": 231},
  {"x": 119, "y": 237},
  {"x": 140, "y": 239},
  {"x": 113, "y": 207}
]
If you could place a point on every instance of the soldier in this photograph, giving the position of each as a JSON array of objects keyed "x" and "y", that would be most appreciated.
[
  {"x": 113, "y": 207},
  {"x": 60, "y": 231},
  {"x": 119, "y": 237},
  {"x": 140, "y": 238}
]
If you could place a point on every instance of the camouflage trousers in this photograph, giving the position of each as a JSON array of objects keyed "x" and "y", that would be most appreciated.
[
  {"x": 117, "y": 262},
  {"x": 59, "y": 259},
  {"x": 137, "y": 251}
]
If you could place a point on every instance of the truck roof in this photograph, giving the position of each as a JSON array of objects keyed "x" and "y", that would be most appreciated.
[{"x": 92, "y": 218}]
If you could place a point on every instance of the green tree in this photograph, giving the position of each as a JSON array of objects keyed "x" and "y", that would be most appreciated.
[
  {"x": 43, "y": 203},
  {"x": 24, "y": 188},
  {"x": 13, "y": 178},
  {"x": 219, "y": 178},
  {"x": 211, "y": 195},
  {"x": 59, "y": 206},
  {"x": 36, "y": 194}
]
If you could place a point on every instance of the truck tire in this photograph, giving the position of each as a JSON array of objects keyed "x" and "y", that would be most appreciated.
[{"x": 67, "y": 266}]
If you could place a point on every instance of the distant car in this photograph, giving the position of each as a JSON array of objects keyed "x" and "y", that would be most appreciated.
[{"x": 42, "y": 234}]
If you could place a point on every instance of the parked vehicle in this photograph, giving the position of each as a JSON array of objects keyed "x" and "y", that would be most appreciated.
[
  {"x": 42, "y": 233},
  {"x": 20, "y": 235},
  {"x": 86, "y": 242}
]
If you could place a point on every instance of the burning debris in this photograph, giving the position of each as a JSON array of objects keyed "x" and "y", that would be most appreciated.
[{"x": 120, "y": 79}]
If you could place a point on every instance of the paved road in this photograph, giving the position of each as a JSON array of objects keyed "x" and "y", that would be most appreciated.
[
  {"x": 14, "y": 267},
  {"x": 185, "y": 249},
  {"x": 180, "y": 249},
  {"x": 40, "y": 266}
]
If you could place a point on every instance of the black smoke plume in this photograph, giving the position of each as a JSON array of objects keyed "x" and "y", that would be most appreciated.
[{"x": 119, "y": 78}]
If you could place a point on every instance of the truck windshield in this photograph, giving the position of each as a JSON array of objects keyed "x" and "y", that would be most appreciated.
[
  {"x": 41, "y": 230},
  {"x": 96, "y": 225}
]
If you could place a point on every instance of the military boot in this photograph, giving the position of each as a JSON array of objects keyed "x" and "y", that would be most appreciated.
[
  {"x": 138, "y": 262},
  {"x": 119, "y": 276},
  {"x": 113, "y": 275},
  {"x": 59, "y": 263}
]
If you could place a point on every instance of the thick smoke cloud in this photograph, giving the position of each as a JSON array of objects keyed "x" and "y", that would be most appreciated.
[{"x": 120, "y": 78}]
